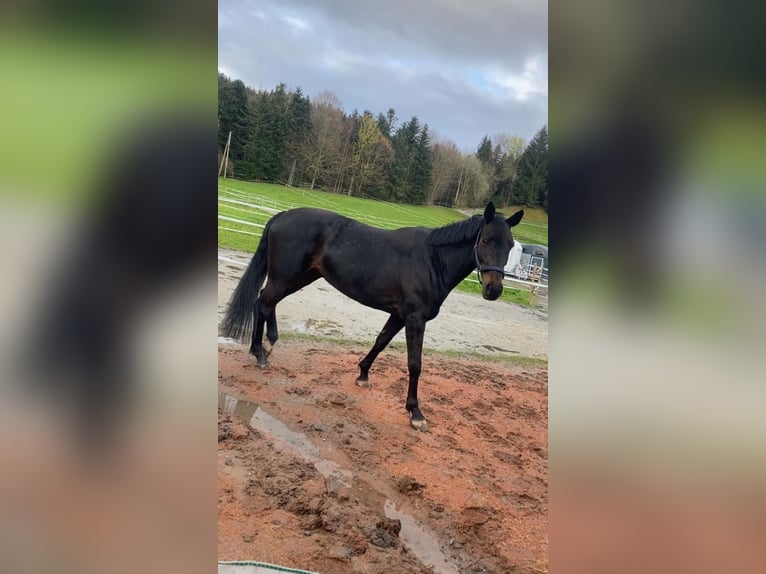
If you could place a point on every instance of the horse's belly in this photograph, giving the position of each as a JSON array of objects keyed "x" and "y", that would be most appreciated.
[{"x": 375, "y": 292}]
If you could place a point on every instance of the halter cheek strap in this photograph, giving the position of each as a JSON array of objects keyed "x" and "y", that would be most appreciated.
[{"x": 479, "y": 267}]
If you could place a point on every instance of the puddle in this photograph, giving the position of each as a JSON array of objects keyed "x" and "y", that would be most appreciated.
[
  {"x": 314, "y": 327},
  {"x": 298, "y": 327},
  {"x": 421, "y": 541},
  {"x": 283, "y": 437},
  {"x": 499, "y": 349}
]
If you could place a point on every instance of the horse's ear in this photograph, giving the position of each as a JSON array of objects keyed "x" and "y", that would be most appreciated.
[
  {"x": 489, "y": 212},
  {"x": 515, "y": 218}
]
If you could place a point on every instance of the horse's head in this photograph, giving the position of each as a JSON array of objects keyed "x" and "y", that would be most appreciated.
[{"x": 493, "y": 244}]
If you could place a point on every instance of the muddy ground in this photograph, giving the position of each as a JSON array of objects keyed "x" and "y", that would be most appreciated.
[{"x": 318, "y": 473}]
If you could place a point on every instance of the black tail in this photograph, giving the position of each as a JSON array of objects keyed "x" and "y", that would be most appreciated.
[{"x": 238, "y": 322}]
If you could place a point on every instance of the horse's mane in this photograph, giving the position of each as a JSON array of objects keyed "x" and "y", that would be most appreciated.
[{"x": 455, "y": 232}]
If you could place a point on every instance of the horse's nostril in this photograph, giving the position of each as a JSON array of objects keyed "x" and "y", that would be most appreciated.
[{"x": 492, "y": 291}]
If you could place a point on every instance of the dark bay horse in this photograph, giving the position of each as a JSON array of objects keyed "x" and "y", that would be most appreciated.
[{"x": 406, "y": 272}]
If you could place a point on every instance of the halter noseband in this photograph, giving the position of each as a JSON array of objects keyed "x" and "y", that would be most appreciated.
[{"x": 479, "y": 267}]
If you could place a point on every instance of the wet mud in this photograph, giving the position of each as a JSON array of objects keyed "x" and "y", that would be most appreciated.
[{"x": 318, "y": 473}]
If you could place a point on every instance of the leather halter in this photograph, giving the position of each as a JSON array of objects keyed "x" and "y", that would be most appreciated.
[{"x": 479, "y": 267}]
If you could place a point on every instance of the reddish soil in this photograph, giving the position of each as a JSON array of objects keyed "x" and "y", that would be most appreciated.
[{"x": 477, "y": 480}]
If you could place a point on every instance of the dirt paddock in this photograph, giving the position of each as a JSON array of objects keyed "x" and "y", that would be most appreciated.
[{"x": 318, "y": 473}]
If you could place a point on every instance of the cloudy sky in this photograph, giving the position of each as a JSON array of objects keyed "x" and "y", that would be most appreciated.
[{"x": 465, "y": 67}]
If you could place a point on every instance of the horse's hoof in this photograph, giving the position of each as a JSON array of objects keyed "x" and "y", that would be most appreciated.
[
  {"x": 364, "y": 383},
  {"x": 419, "y": 425},
  {"x": 262, "y": 364}
]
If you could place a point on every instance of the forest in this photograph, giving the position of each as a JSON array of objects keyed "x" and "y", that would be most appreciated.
[{"x": 284, "y": 136}]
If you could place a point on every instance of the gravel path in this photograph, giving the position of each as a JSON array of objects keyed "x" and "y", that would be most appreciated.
[{"x": 465, "y": 323}]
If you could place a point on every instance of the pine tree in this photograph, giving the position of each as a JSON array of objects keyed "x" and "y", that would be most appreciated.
[
  {"x": 421, "y": 167},
  {"x": 268, "y": 131},
  {"x": 298, "y": 128},
  {"x": 532, "y": 180},
  {"x": 232, "y": 115},
  {"x": 405, "y": 141},
  {"x": 277, "y": 136},
  {"x": 252, "y": 165},
  {"x": 486, "y": 156},
  {"x": 386, "y": 123},
  {"x": 508, "y": 150},
  {"x": 484, "y": 152}
]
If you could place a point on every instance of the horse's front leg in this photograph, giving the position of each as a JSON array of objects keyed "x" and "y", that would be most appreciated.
[
  {"x": 414, "y": 328},
  {"x": 389, "y": 331}
]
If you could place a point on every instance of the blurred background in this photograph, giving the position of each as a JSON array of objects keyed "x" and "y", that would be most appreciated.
[
  {"x": 657, "y": 434},
  {"x": 108, "y": 298}
]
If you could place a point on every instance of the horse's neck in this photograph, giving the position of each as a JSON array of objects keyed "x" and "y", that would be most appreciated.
[{"x": 457, "y": 263}]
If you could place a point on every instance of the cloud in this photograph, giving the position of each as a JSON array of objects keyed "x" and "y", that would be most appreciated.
[
  {"x": 465, "y": 68},
  {"x": 296, "y": 24},
  {"x": 532, "y": 82}
]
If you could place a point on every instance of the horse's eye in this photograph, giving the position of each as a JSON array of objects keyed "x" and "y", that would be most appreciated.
[{"x": 485, "y": 241}]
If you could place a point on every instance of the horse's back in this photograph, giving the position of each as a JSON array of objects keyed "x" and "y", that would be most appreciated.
[
  {"x": 299, "y": 217},
  {"x": 333, "y": 228},
  {"x": 364, "y": 262}
]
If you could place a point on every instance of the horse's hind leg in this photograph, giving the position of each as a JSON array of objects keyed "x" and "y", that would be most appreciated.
[
  {"x": 389, "y": 331},
  {"x": 272, "y": 333},
  {"x": 256, "y": 345},
  {"x": 264, "y": 315},
  {"x": 274, "y": 291}
]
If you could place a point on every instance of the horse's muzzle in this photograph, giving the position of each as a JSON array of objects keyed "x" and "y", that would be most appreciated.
[{"x": 492, "y": 291}]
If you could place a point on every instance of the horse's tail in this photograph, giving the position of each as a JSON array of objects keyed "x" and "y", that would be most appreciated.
[{"x": 238, "y": 322}]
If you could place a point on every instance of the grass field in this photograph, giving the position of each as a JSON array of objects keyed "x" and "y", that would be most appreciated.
[{"x": 245, "y": 207}]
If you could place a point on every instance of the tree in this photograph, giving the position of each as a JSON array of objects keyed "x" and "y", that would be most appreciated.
[
  {"x": 474, "y": 185},
  {"x": 509, "y": 145},
  {"x": 421, "y": 167},
  {"x": 484, "y": 152},
  {"x": 232, "y": 115},
  {"x": 507, "y": 151},
  {"x": 404, "y": 142},
  {"x": 350, "y": 132},
  {"x": 372, "y": 151},
  {"x": 532, "y": 178},
  {"x": 446, "y": 168},
  {"x": 298, "y": 127},
  {"x": 264, "y": 156},
  {"x": 386, "y": 123},
  {"x": 489, "y": 157},
  {"x": 251, "y": 167},
  {"x": 322, "y": 146}
]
